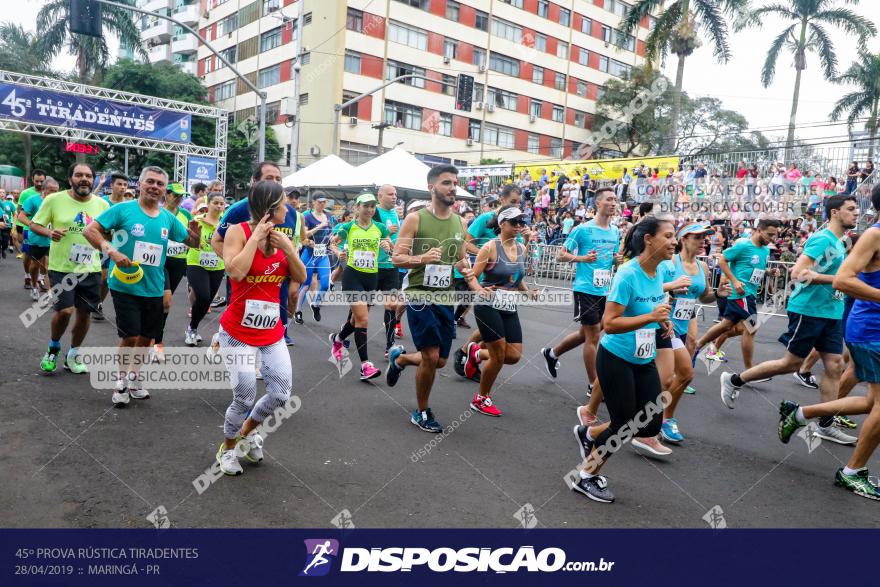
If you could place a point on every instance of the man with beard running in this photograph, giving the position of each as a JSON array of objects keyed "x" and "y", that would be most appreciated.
[{"x": 38, "y": 176}]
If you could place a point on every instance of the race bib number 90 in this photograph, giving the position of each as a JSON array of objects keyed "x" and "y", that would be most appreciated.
[
  {"x": 148, "y": 253},
  {"x": 260, "y": 314},
  {"x": 439, "y": 276},
  {"x": 646, "y": 343}
]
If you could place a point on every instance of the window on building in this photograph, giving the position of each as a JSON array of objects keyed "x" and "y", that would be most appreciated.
[
  {"x": 474, "y": 129},
  {"x": 534, "y": 144},
  {"x": 445, "y": 126},
  {"x": 395, "y": 69},
  {"x": 354, "y": 20},
  {"x": 565, "y": 17},
  {"x": 420, "y": 4},
  {"x": 478, "y": 93},
  {"x": 350, "y": 111},
  {"x": 224, "y": 91},
  {"x": 543, "y": 8},
  {"x": 538, "y": 74},
  {"x": 580, "y": 119},
  {"x": 482, "y": 21},
  {"x": 581, "y": 89},
  {"x": 407, "y": 35},
  {"x": 586, "y": 26},
  {"x": 448, "y": 86},
  {"x": 271, "y": 6},
  {"x": 209, "y": 64},
  {"x": 535, "y": 108},
  {"x": 499, "y": 135},
  {"x": 228, "y": 24},
  {"x": 269, "y": 76},
  {"x": 403, "y": 115},
  {"x": 559, "y": 82},
  {"x": 517, "y": 3},
  {"x": 453, "y": 10},
  {"x": 502, "y": 98},
  {"x": 606, "y": 33},
  {"x": 352, "y": 61},
  {"x": 627, "y": 42},
  {"x": 479, "y": 56},
  {"x": 603, "y": 63},
  {"x": 558, "y": 113},
  {"x": 562, "y": 50},
  {"x": 617, "y": 7},
  {"x": 503, "y": 64},
  {"x": 270, "y": 39},
  {"x": 450, "y": 48},
  {"x": 583, "y": 56},
  {"x": 273, "y": 111},
  {"x": 507, "y": 30},
  {"x": 619, "y": 69},
  {"x": 230, "y": 54},
  {"x": 556, "y": 148},
  {"x": 600, "y": 91}
]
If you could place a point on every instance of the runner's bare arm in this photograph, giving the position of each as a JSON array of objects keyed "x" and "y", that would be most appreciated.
[
  {"x": 863, "y": 254},
  {"x": 402, "y": 256},
  {"x": 217, "y": 243},
  {"x": 486, "y": 255},
  {"x": 238, "y": 252}
]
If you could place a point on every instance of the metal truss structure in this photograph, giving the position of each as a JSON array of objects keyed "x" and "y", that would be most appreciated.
[{"x": 181, "y": 150}]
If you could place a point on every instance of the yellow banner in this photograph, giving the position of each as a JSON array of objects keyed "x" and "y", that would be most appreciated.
[{"x": 598, "y": 168}]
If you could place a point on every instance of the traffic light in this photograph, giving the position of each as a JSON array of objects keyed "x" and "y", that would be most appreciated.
[
  {"x": 464, "y": 92},
  {"x": 85, "y": 17}
]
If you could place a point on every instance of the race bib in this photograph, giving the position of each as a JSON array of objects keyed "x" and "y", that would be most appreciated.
[
  {"x": 176, "y": 249},
  {"x": 260, "y": 314},
  {"x": 601, "y": 277},
  {"x": 646, "y": 343},
  {"x": 505, "y": 300},
  {"x": 439, "y": 276},
  {"x": 208, "y": 260},
  {"x": 839, "y": 295},
  {"x": 757, "y": 277},
  {"x": 81, "y": 254},
  {"x": 319, "y": 251},
  {"x": 147, "y": 253},
  {"x": 364, "y": 259},
  {"x": 684, "y": 308}
]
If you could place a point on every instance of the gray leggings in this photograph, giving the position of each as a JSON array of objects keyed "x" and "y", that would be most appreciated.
[{"x": 277, "y": 375}]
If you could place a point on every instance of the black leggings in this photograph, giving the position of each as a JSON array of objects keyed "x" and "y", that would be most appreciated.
[
  {"x": 628, "y": 388},
  {"x": 5, "y": 239},
  {"x": 204, "y": 284},
  {"x": 175, "y": 269}
]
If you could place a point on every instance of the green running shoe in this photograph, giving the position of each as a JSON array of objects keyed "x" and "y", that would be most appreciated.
[
  {"x": 75, "y": 366},
  {"x": 845, "y": 422},
  {"x": 690, "y": 390},
  {"x": 858, "y": 484},
  {"x": 50, "y": 360},
  {"x": 788, "y": 423}
]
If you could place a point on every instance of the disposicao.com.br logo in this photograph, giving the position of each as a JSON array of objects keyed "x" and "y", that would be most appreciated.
[{"x": 441, "y": 560}]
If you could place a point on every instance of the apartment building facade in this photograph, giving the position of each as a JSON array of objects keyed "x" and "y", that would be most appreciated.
[
  {"x": 164, "y": 41},
  {"x": 538, "y": 66}
]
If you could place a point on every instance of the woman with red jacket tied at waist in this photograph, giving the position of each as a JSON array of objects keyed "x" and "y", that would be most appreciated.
[{"x": 258, "y": 259}]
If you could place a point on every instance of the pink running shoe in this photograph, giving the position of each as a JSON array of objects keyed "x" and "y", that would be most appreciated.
[
  {"x": 336, "y": 347},
  {"x": 484, "y": 405},
  {"x": 368, "y": 371},
  {"x": 472, "y": 360}
]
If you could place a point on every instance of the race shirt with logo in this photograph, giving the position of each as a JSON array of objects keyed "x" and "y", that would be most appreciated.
[
  {"x": 748, "y": 263},
  {"x": 73, "y": 253},
  {"x": 179, "y": 250},
  {"x": 683, "y": 305},
  {"x": 363, "y": 244},
  {"x": 143, "y": 239},
  {"x": 639, "y": 294},
  {"x": 593, "y": 278},
  {"x": 388, "y": 218},
  {"x": 24, "y": 197},
  {"x": 8, "y": 208},
  {"x": 204, "y": 256},
  {"x": 238, "y": 213},
  {"x": 820, "y": 300},
  {"x": 31, "y": 207}
]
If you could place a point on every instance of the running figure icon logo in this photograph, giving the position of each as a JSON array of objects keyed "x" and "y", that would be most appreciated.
[{"x": 320, "y": 553}]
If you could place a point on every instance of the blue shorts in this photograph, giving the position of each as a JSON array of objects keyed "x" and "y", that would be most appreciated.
[
  {"x": 806, "y": 333},
  {"x": 866, "y": 358},
  {"x": 24, "y": 242},
  {"x": 738, "y": 310},
  {"x": 431, "y": 325}
]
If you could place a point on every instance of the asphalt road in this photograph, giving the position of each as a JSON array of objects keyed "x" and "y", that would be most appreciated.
[{"x": 69, "y": 459}]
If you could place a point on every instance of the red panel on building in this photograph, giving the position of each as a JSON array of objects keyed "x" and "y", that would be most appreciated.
[
  {"x": 435, "y": 43},
  {"x": 465, "y": 52},
  {"x": 596, "y": 29},
  {"x": 551, "y": 44},
  {"x": 589, "y": 122},
  {"x": 640, "y": 48},
  {"x": 645, "y": 22},
  {"x": 374, "y": 26},
  {"x": 286, "y": 34},
  {"x": 592, "y": 91},
  {"x": 434, "y": 86},
  {"x": 202, "y": 66},
  {"x": 568, "y": 149},
  {"x": 599, "y": 3},
  {"x": 594, "y": 60},
  {"x": 553, "y": 12},
  {"x": 525, "y": 71},
  {"x": 289, "y": 2},
  {"x": 285, "y": 70},
  {"x": 430, "y": 121},
  {"x": 460, "y": 127},
  {"x": 438, "y": 7},
  {"x": 574, "y": 52},
  {"x": 522, "y": 104},
  {"x": 547, "y": 110},
  {"x": 531, "y": 6},
  {"x": 569, "y": 116},
  {"x": 550, "y": 78},
  {"x": 365, "y": 108},
  {"x": 371, "y": 66},
  {"x": 467, "y": 15},
  {"x": 528, "y": 37},
  {"x": 520, "y": 140},
  {"x": 203, "y": 6},
  {"x": 543, "y": 144}
]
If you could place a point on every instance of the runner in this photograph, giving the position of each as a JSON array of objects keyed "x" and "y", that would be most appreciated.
[
  {"x": 38, "y": 245},
  {"x": 859, "y": 277},
  {"x": 204, "y": 268},
  {"x": 137, "y": 275},
  {"x": 38, "y": 176},
  {"x": 259, "y": 259},
  {"x": 175, "y": 263},
  {"x": 431, "y": 241},
  {"x": 744, "y": 265},
  {"x": 364, "y": 237},
  {"x": 389, "y": 275},
  {"x": 7, "y": 222},
  {"x": 73, "y": 263},
  {"x": 501, "y": 267},
  {"x": 815, "y": 310},
  {"x": 625, "y": 359},
  {"x": 318, "y": 225},
  {"x": 118, "y": 187},
  {"x": 595, "y": 248}
]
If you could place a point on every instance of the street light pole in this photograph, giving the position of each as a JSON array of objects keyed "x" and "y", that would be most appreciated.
[{"x": 247, "y": 82}]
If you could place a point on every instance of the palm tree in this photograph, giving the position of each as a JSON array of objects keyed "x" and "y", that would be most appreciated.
[
  {"x": 92, "y": 53},
  {"x": 676, "y": 30},
  {"x": 864, "y": 74},
  {"x": 807, "y": 33}
]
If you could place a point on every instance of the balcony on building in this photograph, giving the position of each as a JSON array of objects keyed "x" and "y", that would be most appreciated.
[
  {"x": 160, "y": 53},
  {"x": 186, "y": 12},
  {"x": 187, "y": 66},
  {"x": 185, "y": 44},
  {"x": 160, "y": 30},
  {"x": 154, "y": 5}
]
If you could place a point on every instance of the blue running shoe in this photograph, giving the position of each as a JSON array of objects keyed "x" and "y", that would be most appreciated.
[
  {"x": 669, "y": 431},
  {"x": 425, "y": 420},
  {"x": 394, "y": 370}
]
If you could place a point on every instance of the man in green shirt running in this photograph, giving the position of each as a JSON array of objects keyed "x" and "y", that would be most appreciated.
[{"x": 38, "y": 176}]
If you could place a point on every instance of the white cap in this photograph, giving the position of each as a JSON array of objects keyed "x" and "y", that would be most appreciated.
[{"x": 509, "y": 214}]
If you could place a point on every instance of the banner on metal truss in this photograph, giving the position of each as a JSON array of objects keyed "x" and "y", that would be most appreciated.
[
  {"x": 36, "y": 105},
  {"x": 598, "y": 168}
]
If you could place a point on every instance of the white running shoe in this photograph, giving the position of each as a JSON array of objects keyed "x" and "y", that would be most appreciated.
[
  {"x": 651, "y": 446},
  {"x": 835, "y": 435},
  {"x": 198, "y": 336},
  {"x": 120, "y": 394},
  {"x": 729, "y": 391},
  {"x": 252, "y": 447},
  {"x": 138, "y": 393},
  {"x": 190, "y": 338},
  {"x": 35, "y": 295},
  {"x": 228, "y": 460}
]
